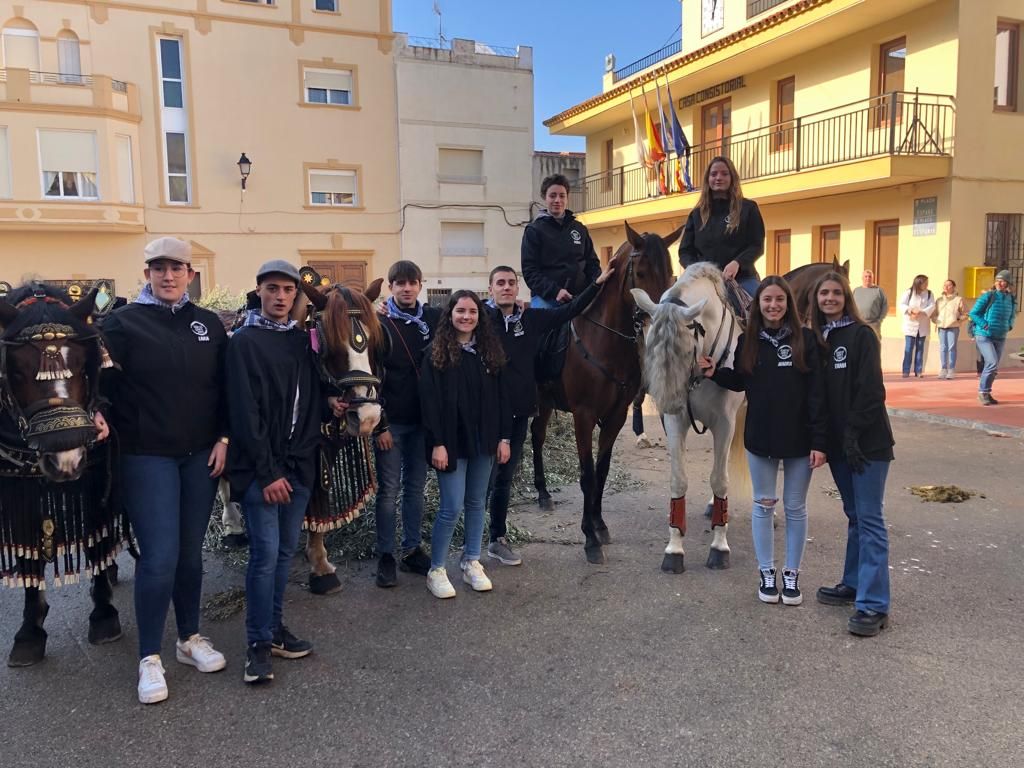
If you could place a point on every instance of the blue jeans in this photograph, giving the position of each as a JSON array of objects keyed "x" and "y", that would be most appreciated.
[
  {"x": 913, "y": 354},
  {"x": 540, "y": 303},
  {"x": 273, "y": 537},
  {"x": 402, "y": 471},
  {"x": 749, "y": 284},
  {"x": 991, "y": 351},
  {"x": 867, "y": 543},
  {"x": 948, "y": 338},
  {"x": 764, "y": 472},
  {"x": 169, "y": 501},
  {"x": 465, "y": 486}
]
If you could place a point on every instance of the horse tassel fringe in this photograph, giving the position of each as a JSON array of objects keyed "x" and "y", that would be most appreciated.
[{"x": 52, "y": 365}]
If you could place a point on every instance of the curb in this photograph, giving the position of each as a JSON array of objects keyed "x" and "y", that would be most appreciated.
[{"x": 952, "y": 421}]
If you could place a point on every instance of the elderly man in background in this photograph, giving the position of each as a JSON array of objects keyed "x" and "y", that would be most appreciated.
[{"x": 871, "y": 302}]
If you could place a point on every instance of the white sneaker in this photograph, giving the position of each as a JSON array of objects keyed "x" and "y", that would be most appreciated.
[
  {"x": 951, "y": 374},
  {"x": 152, "y": 686},
  {"x": 473, "y": 574},
  {"x": 198, "y": 652},
  {"x": 942, "y": 373},
  {"x": 438, "y": 584}
]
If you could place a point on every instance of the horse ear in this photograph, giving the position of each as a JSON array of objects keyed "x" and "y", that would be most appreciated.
[
  {"x": 372, "y": 292},
  {"x": 645, "y": 302},
  {"x": 691, "y": 312},
  {"x": 673, "y": 236},
  {"x": 84, "y": 306},
  {"x": 846, "y": 267},
  {"x": 316, "y": 298},
  {"x": 635, "y": 240},
  {"x": 7, "y": 313}
]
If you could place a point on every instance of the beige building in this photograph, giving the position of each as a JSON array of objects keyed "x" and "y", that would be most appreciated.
[
  {"x": 122, "y": 122},
  {"x": 465, "y": 149}
]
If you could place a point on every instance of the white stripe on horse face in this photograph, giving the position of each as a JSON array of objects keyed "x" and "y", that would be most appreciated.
[
  {"x": 60, "y": 386},
  {"x": 367, "y": 413}
]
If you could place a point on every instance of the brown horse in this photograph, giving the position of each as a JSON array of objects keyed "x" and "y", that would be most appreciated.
[
  {"x": 803, "y": 279},
  {"x": 602, "y": 374}
]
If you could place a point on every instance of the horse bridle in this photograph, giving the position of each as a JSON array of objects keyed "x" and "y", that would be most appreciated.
[{"x": 359, "y": 340}]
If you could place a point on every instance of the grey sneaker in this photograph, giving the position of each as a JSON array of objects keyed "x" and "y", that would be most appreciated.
[{"x": 500, "y": 550}]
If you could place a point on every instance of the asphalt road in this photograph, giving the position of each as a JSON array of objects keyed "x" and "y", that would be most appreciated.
[{"x": 568, "y": 664}]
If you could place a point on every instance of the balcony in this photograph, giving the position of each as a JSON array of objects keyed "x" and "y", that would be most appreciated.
[
  {"x": 28, "y": 90},
  {"x": 649, "y": 60},
  {"x": 875, "y": 142},
  {"x": 757, "y": 7}
]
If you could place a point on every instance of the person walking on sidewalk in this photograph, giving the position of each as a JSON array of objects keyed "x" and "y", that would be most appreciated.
[
  {"x": 950, "y": 314},
  {"x": 778, "y": 365},
  {"x": 993, "y": 314},
  {"x": 916, "y": 307},
  {"x": 872, "y": 303},
  {"x": 167, "y": 405},
  {"x": 467, "y": 419},
  {"x": 275, "y": 412},
  {"x": 859, "y": 451}
]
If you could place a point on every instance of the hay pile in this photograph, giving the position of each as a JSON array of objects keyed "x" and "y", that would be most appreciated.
[{"x": 945, "y": 494}]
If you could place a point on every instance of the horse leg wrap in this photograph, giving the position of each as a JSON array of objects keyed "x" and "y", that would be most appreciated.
[
  {"x": 719, "y": 512},
  {"x": 677, "y": 515}
]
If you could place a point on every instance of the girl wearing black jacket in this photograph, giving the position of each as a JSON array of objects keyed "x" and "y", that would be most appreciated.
[
  {"x": 859, "y": 449},
  {"x": 778, "y": 366},
  {"x": 467, "y": 424}
]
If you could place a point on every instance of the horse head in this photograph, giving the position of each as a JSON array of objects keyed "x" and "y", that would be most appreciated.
[
  {"x": 350, "y": 345},
  {"x": 643, "y": 262},
  {"x": 50, "y": 358}
]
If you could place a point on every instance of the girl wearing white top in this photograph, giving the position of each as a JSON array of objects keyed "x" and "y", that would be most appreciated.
[{"x": 916, "y": 307}]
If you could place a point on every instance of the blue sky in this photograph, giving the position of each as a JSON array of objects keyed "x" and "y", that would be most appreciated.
[{"x": 570, "y": 39}]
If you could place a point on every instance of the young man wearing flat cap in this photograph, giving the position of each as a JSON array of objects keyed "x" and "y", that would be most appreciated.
[{"x": 275, "y": 411}]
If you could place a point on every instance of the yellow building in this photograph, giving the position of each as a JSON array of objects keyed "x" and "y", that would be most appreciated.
[
  {"x": 865, "y": 129},
  {"x": 122, "y": 122}
]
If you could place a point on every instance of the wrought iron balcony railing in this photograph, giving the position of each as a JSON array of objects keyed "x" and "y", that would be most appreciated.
[
  {"x": 649, "y": 60},
  {"x": 897, "y": 123},
  {"x": 757, "y": 7},
  {"x": 66, "y": 78}
]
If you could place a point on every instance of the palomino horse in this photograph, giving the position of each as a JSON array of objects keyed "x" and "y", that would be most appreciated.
[
  {"x": 602, "y": 374},
  {"x": 803, "y": 279},
  {"x": 694, "y": 319},
  {"x": 55, "y": 486}
]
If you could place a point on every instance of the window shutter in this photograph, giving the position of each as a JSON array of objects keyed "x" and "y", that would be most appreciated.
[
  {"x": 461, "y": 163},
  {"x": 330, "y": 79},
  {"x": 68, "y": 151},
  {"x": 334, "y": 181},
  {"x": 125, "y": 182}
]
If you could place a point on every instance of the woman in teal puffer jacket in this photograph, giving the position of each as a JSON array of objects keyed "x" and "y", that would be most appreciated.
[{"x": 993, "y": 315}]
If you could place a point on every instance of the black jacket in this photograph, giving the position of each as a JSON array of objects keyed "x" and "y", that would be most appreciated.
[
  {"x": 855, "y": 393},
  {"x": 265, "y": 368},
  {"x": 558, "y": 254},
  {"x": 786, "y": 416},
  {"x": 465, "y": 408},
  {"x": 167, "y": 393},
  {"x": 711, "y": 243},
  {"x": 400, "y": 391}
]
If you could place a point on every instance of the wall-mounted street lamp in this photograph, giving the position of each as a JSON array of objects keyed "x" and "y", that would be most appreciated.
[{"x": 244, "y": 168}]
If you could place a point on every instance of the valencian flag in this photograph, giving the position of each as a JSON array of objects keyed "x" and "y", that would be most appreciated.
[
  {"x": 681, "y": 145},
  {"x": 654, "y": 147},
  {"x": 663, "y": 123}
]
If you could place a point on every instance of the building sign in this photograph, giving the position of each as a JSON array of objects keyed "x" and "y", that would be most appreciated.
[
  {"x": 926, "y": 214},
  {"x": 713, "y": 92}
]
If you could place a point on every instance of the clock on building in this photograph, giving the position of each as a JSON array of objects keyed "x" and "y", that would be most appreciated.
[{"x": 712, "y": 16}]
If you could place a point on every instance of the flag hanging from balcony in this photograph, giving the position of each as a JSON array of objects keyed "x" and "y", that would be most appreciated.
[
  {"x": 641, "y": 150},
  {"x": 655, "y": 148},
  {"x": 680, "y": 144},
  {"x": 662, "y": 125}
]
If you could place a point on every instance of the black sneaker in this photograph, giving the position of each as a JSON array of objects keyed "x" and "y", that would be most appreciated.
[
  {"x": 288, "y": 646},
  {"x": 258, "y": 668},
  {"x": 767, "y": 592},
  {"x": 416, "y": 561},
  {"x": 387, "y": 576},
  {"x": 840, "y": 594},
  {"x": 867, "y": 623},
  {"x": 791, "y": 587}
]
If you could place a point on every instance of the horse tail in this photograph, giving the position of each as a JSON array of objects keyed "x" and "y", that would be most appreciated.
[{"x": 739, "y": 470}]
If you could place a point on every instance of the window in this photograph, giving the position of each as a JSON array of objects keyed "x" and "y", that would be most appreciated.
[
  {"x": 69, "y": 60},
  {"x": 68, "y": 163},
  {"x": 21, "y": 46},
  {"x": 172, "y": 85},
  {"x": 328, "y": 86},
  {"x": 461, "y": 166},
  {"x": 462, "y": 238},
  {"x": 785, "y": 93},
  {"x": 327, "y": 5},
  {"x": 828, "y": 244},
  {"x": 258, "y": 2},
  {"x": 5, "y": 165},
  {"x": 892, "y": 60},
  {"x": 177, "y": 167},
  {"x": 174, "y": 121},
  {"x": 332, "y": 188},
  {"x": 125, "y": 176},
  {"x": 1007, "y": 66},
  {"x": 438, "y": 297}
]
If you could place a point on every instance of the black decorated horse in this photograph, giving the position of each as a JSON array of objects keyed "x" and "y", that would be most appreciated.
[{"x": 56, "y": 482}]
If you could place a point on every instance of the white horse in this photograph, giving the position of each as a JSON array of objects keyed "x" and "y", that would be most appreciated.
[{"x": 694, "y": 319}]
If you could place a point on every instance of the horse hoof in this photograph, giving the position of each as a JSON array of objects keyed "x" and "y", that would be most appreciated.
[
  {"x": 603, "y": 536},
  {"x": 673, "y": 562},
  {"x": 718, "y": 559},
  {"x": 327, "y": 584},
  {"x": 595, "y": 555},
  {"x": 104, "y": 629},
  {"x": 29, "y": 648},
  {"x": 234, "y": 540},
  {"x": 708, "y": 510},
  {"x": 545, "y": 503},
  {"x": 112, "y": 574}
]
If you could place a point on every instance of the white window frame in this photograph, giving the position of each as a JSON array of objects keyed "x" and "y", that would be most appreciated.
[
  {"x": 174, "y": 121},
  {"x": 19, "y": 32},
  {"x": 464, "y": 253},
  {"x": 328, "y": 92},
  {"x": 333, "y": 172},
  {"x": 332, "y": 9}
]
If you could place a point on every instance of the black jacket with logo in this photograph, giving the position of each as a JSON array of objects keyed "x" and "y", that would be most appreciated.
[
  {"x": 786, "y": 414},
  {"x": 166, "y": 394},
  {"x": 711, "y": 243},
  {"x": 558, "y": 254},
  {"x": 400, "y": 390}
]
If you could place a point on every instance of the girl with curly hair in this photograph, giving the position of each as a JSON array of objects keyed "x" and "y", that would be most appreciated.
[{"x": 467, "y": 424}]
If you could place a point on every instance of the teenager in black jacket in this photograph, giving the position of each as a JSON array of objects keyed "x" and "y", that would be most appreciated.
[
  {"x": 168, "y": 407},
  {"x": 859, "y": 451},
  {"x": 725, "y": 228},
  {"x": 778, "y": 366},
  {"x": 467, "y": 422}
]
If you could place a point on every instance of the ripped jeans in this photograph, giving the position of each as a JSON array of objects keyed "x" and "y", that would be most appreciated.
[{"x": 764, "y": 472}]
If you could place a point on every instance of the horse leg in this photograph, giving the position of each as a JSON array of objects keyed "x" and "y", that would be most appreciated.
[
  {"x": 610, "y": 428},
  {"x": 322, "y": 577},
  {"x": 718, "y": 555},
  {"x": 231, "y": 518},
  {"x": 30, "y": 640},
  {"x": 675, "y": 433},
  {"x": 538, "y": 433},
  {"x": 585, "y": 450},
  {"x": 104, "y": 624}
]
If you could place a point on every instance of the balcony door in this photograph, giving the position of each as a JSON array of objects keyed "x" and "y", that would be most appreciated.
[{"x": 716, "y": 127}]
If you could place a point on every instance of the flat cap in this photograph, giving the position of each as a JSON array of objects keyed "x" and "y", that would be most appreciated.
[
  {"x": 170, "y": 248},
  {"x": 278, "y": 267}
]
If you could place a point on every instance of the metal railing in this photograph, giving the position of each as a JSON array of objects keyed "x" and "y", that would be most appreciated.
[
  {"x": 66, "y": 78},
  {"x": 445, "y": 44},
  {"x": 649, "y": 60},
  {"x": 897, "y": 123},
  {"x": 757, "y": 7}
]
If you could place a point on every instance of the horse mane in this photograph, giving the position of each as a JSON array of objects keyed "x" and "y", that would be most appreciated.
[
  {"x": 41, "y": 311},
  {"x": 337, "y": 327},
  {"x": 658, "y": 257},
  {"x": 705, "y": 270}
]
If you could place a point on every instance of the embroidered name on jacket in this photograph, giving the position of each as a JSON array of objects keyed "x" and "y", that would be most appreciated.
[
  {"x": 785, "y": 353},
  {"x": 200, "y": 330},
  {"x": 577, "y": 238},
  {"x": 839, "y": 358}
]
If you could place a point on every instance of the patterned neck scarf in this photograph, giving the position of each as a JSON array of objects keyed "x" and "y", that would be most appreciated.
[
  {"x": 470, "y": 346},
  {"x": 147, "y": 297},
  {"x": 256, "y": 320},
  {"x": 397, "y": 313},
  {"x": 775, "y": 335},
  {"x": 510, "y": 320},
  {"x": 833, "y": 325}
]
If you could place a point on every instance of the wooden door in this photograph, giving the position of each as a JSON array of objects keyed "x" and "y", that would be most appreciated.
[
  {"x": 779, "y": 262},
  {"x": 885, "y": 261},
  {"x": 351, "y": 274},
  {"x": 828, "y": 244},
  {"x": 716, "y": 127}
]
